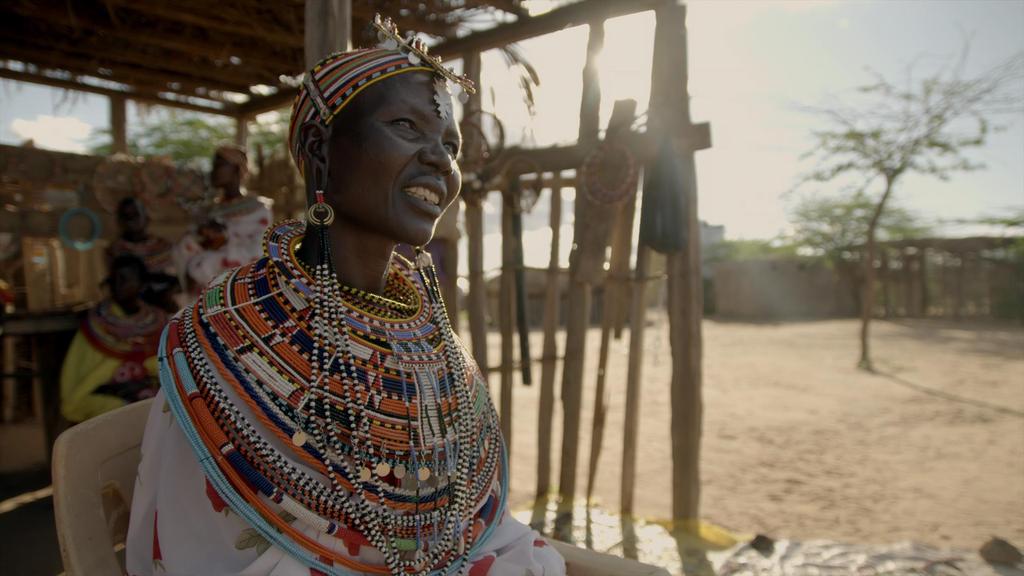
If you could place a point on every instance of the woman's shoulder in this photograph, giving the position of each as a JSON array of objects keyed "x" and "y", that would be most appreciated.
[{"x": 235, "y": 287}]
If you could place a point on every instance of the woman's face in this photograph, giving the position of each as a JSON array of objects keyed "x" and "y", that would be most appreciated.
[
  {"x": 125, "y": 285},
  {"x": 392, "y": 169},
  {"x": 132, "y": 219},
  {"x": 224, "y": 173}
]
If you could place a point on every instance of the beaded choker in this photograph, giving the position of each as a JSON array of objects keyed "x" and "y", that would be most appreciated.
[{"x": 357, "y": 413}]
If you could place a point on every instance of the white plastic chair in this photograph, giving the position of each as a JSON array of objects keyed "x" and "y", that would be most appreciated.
[{"x": 94, "y": 468}]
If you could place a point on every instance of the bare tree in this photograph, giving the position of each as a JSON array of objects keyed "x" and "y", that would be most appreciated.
[{"x": 925, "y": 126}]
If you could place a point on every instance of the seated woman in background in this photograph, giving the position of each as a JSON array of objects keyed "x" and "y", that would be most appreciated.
[
  {"x": 162, "y": 287},
  {"x": 112, "y": 359},
  {"x": 317, "y": 414},
  {"x": 233, "y": 231}
]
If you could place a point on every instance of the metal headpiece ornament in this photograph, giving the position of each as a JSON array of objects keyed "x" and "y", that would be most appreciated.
[{"x": 417, "y": 49}]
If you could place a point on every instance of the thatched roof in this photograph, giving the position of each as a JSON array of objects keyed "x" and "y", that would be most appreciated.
[{"x": 222, "y": 56}]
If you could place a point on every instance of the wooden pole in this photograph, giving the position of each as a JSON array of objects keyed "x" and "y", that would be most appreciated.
[
  {"x": 637, "y": 325},
  {"x": 242, "y": 131},
  {"x": 477, "y": 303},
  {"x": 670, "y": 106},
  {"x": 579, "y": 288},
  {"x": 10, "y": 382},
  {"x": 118, "y": 124},
  {"x": 922, "y": 278},
  {"x": 944, "y": 283},
  {"x": 506, "y": 309},
  {"x": 590, "y": 106},
  {"x": 905, "y": 277},
  {"x": 549, "y": 354},
  {"x": 522, "y": 322},
  {"x": 614, "y": 293},
  {"x": 886, "y": 274},
  {"x": 450, "y": 282},
  {"x": 328, "y": 28},
  {"x": 961, "y": 272}
]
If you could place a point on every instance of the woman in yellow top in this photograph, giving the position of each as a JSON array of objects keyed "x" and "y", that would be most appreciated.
[{"x": 112, "y": 359}]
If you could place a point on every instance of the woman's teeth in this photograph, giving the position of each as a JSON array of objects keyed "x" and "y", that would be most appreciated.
[{"x": 423, "y": 194}]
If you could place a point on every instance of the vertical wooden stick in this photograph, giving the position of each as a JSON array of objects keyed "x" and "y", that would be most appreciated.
[
  {"x": 477, "y": 303},
  {"x": 10, "y": 383},
  {"x": 922, "y": 275},
  {"x": 637, "y": 326},
  {"x": 241, "y": 130},
  {"x": 549, "y": 355},
  {"x": 577, "y": 319},
  {"x": 614, "y": 292},
  {"x": 669, "y": 94},
  {"x": 446, "y": 241},
  {"x": 506, "y": 310},
  {"x": 885, "y": 274},
  {"x": 522, "y": 322},
  {"x": 328, "y": 28},
  {"x": 578, "y": 316},
  {"x": 118, "y": 125}
]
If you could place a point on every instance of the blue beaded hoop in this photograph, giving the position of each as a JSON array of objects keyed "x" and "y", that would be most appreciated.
[{"x": 65, "y": 220}]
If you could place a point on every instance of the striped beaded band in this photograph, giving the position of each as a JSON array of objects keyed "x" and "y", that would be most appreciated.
[{"x": 336, "y": 80}]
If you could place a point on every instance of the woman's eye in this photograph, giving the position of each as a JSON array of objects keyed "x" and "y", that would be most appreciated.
[{"x": 405, "y": 123}]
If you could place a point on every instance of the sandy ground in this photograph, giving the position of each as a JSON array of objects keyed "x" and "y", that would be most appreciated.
[{"x": 799, "y": 444}]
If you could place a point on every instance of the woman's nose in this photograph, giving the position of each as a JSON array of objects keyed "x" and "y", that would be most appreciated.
[{"x": 436, "y": 156}]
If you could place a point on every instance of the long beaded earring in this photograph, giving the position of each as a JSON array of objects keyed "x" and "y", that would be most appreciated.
[{"x": 320, "y": 216}]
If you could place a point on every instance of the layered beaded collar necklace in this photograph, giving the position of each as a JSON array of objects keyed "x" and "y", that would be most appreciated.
[
  {"x": 372, "y": 391},
  {"x": 126, "y": 336}
]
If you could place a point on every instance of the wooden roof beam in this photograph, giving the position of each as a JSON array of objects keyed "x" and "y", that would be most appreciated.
[
  {"x": 114, "y": 57},
  {"x": 123, "y": 74},
  {"x": 558, "y": 19},
  {"x": 47, "y": 16},
  {"x": 175, "y": 14},
  {"x": 137, "y": 95},
  {"x": 510, "y": 6}
]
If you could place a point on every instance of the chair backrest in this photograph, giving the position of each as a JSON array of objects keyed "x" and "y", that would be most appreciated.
[
  {"x": 583, "y": 562},
  {"x": 94, "y": 469}
]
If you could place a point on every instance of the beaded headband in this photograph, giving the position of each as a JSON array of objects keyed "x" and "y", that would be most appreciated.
[{"x": 339, "y": 78}]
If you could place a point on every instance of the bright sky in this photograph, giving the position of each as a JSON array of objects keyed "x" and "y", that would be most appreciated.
[{"x": 752, "y": 65}]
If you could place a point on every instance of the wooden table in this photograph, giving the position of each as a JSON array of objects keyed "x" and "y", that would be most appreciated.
[{"x": 49, "y": 335}]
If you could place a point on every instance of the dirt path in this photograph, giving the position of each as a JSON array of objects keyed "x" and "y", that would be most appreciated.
[{"x": 799, "y": 444}]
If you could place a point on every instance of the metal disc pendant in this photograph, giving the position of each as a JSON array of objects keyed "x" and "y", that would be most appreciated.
[
  {"x": 399, "y": 471},
  {"x": 299, "y": 438},
  {"x": 423, "y": 474},
  {"x": 364, "y": 474},
  {"x": 383, "y": 469}
]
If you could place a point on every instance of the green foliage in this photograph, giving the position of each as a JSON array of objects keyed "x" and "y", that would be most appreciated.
[
  {"x": 829, "y": 226},
  {"x": 1011, "y": 222},
  {"x": 187, "y": 137},
  {"x": 734, "y": 250},
  {"x": 927, "y": 126},
  {"x": 270, "y": 133}
]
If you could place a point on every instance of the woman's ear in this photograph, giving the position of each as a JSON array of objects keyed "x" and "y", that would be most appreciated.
[{"x": 315, "y": 151}]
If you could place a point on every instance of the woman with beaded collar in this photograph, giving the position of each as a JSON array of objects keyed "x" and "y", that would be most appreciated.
[
  {"x": 318, "y": 414},
  {"x": 229, "y": 231}
]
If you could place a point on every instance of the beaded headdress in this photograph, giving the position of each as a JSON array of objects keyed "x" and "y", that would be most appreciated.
[{"x": 339, "y": 78}]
